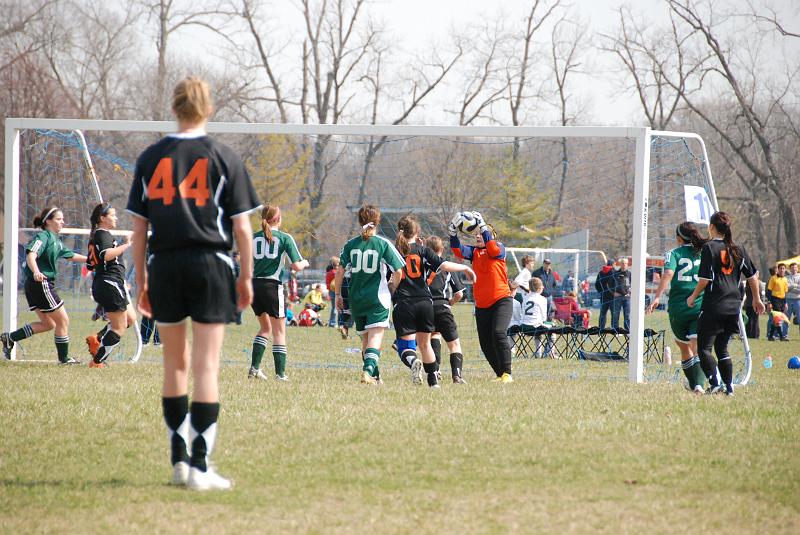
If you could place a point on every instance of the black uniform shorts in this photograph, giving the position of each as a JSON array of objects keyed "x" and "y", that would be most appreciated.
[
  {"x": 110, "y": 294},
  {"x": 268, "y": 297},
  {"x": 411, "y": 317},
  {"x": 444, "y": 321},
  {"x": 195, "y": 283},
  {"x": 42, "y": 296}
]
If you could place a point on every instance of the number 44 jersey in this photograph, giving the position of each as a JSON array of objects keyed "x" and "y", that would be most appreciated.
[
  {"x": 684, "y": 262},
  {"x": 268, "y": 255},
  {"x": 370, "y": 261},
  {"x": 189, "y": 187}
]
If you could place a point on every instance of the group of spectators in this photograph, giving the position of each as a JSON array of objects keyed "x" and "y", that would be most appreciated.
[
  {"x": 783, "y": 302},
  {"x": 613, "y": 283}
]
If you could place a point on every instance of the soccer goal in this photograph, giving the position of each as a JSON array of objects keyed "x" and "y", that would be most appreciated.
[{"x": 629, "y": 186}]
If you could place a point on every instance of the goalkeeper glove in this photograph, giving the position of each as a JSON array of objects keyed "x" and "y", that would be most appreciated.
[
  {"x": 452, "y": 228},
  {"x": 479, "y": 219}
]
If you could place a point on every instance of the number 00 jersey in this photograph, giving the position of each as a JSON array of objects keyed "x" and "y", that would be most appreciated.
[
  {"x": 684, "y": 262},
  {"x": 268, "y": 255},
  {"x": 369, "y": 261},
  {"x": 722, "y": 293},
  {"x": 189, "y": 187}
]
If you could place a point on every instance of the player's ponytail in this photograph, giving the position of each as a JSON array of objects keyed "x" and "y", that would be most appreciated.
[
  {"x": 48, "y": 213},
  {"x": 407, "y": 229},
  {"x": 369, "y": 217},
  {"x": 269, "y": 214},
  {"x": 689, "y": 234},
  {"x": 191, "y": 100},
  {"x": 722, "y": 222},
  {"x": 99, "y": 211}
]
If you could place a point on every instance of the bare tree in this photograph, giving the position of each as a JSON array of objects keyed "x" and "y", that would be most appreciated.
[{"x": 752, "y": 137}]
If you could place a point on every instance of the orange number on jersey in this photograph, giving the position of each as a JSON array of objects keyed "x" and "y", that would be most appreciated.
[
  {"x": 413, "y": 266},
  {"x": 727, "y": 266},
  {"x": 195, "y": 185},
  {"x": 161, "y": 185},
  {"x": 92, "y": 262}
]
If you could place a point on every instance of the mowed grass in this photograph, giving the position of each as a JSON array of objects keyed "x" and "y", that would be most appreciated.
[{"x": 85, "y": 450}]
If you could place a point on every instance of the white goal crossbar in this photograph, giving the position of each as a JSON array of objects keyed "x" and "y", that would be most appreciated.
[{"x": 639, "y": 216}]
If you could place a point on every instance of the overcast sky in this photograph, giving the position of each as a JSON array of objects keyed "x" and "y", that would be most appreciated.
[{"x": 415, "y": 24}]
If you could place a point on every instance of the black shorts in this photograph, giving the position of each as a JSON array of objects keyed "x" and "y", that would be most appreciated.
[
  {"x": 710, "y": 324},
  {"x": 411, "y": 317},
  {"x": 195, "y": 283},
  {"x": 444, "y": 321},
  {"x": 42, "y": 296},
  {"x": 268, "y": 297},
  {"x": 110, "y": 294}
]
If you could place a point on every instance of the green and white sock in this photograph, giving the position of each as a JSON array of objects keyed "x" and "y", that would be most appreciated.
[
  {"x": 26, "y": 331},
  {"x": 371, "y": 358},
  {"x": 693, "y": 371},
  {"x": 259, "y": 346},
  {"x": 279, "y": 356}
]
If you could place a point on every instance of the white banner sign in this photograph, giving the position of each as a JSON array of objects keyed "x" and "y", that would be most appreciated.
[{"x": 698, "y": 205}]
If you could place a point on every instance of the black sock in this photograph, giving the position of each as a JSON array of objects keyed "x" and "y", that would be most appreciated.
[
  {"x": 431, "y": 368},
  {"x": 107, "y": 344},
  {"x": 102, "y": 332},
  {"x": 176, "y": 416},
  {"x": 436, "y": 344},
  {"x": 408, "y": 357},
  {"x": 456, "y": 363},
  {"x": 726, "y": 370},
  {"x": 709, "y": 365},
  {"x": 203, "y": 432},
  {"x": 62, "y": 347}
]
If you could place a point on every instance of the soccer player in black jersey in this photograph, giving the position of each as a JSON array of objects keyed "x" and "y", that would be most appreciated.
[
  {"x": 413, "y": 310},
  {"x": 443, "y": 318},
  {"x": 722, "y": 264},
  {"x": 108, "y": 285},
  {"x": 41, "y": 259},
  {"x": 196, "y": 195}
]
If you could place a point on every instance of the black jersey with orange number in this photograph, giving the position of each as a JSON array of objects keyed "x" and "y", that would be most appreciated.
[
  {"x": 189, "y": 187},
  {"x": 419, "y": 261},
  {"x": 722, "y": 296},
  {"x": 101, "y": 242},
  {"x": 439, "y": 282}
]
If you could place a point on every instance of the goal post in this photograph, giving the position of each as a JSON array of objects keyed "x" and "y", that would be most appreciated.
[{"x": 630, "y": 163}]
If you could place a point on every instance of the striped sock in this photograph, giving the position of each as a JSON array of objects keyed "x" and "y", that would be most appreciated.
[
  {"x": 26, "y": 331},
  {"x": 259, "y": 346},
  {"x": 371, "y": 358},
  {"x": 279, "y": 355},
  {"x": 62, "y": 347}
]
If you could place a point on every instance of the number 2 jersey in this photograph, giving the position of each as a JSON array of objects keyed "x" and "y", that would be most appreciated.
[
  {"x": 722, "y": 295},
  {"x": 369, "y": 262},
  {"x": 684, "y": 262},
  {"x": 189, "y": 186},
  {"x": 268, "y": 255},
  {"x": 101, "y": 242}
]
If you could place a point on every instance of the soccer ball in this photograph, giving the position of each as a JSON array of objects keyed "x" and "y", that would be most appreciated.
[{"x": 468, "y": 223}]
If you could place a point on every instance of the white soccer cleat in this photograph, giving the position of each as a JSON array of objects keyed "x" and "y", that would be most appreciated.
[
  {"x": 281, "y": 378},
  {"x": 698, "y": 390},
  {"x": 256, "y": 373},
  {"x": 417, "y": 372},
  {"x": 180, "y": 473},
  {"x": 208, "y": 480}
]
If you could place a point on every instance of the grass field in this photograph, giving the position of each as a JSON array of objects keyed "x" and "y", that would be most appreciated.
[{"x": 85, "y": 450}]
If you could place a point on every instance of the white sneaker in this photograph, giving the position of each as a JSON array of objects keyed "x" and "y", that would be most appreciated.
[
  {"x": 180, "y": 473},
  {"x": 208, "y": 480},
  {"x": 699, "y": 390},
  {"x": 256, "y": 373},
  {"x": 281, "y": 378},
  {"x": 417, "y": 372}
]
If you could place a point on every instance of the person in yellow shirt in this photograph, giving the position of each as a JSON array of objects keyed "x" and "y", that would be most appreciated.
[
  {"x": 315, "y": 298},
  {"x": 777, "y": 287}
]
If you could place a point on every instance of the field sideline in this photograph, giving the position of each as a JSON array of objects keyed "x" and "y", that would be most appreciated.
[{"x": 85, "y": 450}]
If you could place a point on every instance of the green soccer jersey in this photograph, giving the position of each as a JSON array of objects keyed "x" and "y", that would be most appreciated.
[
  {"x": 48, "y": 248},
  {"x": 684, "y": 262},
  {"x": 268, "y": 255},
  {"x": 369, "y": 262}
]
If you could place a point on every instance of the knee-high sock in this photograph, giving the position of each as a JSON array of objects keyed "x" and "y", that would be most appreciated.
[
  {"x": 62, "y": 347},
  {"x": 724, "y": 358},
  {"x": 176, "y": 416},
  {"x": 279, "y": 357},
  {"x": 26, "y": 331},
  {"x": 203, "y": 432},
  {"x": 107, "y": 345},
  {"x": 436, "y": 344},
  {"x": 259, "y": 346},
  {"x": 456, "y": 363}
]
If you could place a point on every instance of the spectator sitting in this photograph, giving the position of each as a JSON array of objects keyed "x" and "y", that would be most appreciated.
[
  {"x": 309, "y": 317},
  {"x": 780, "y": 326},
  {"x": 580, "y": 317},
  {"x": 290, "y": 319},
  {"x": 315, "y": 298}
]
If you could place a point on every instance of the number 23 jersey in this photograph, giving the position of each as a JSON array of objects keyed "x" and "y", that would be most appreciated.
[
  {"x": 684, "y": 262},
  {"x": 189, "y": 187}
]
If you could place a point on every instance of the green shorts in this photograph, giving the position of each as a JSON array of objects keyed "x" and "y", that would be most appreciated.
[
  {"x": 367, "y": 319},
  {"x": 684, "y": 324}
]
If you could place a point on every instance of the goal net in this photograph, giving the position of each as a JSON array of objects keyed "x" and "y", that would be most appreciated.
[{"x": 576, "y": 195}]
